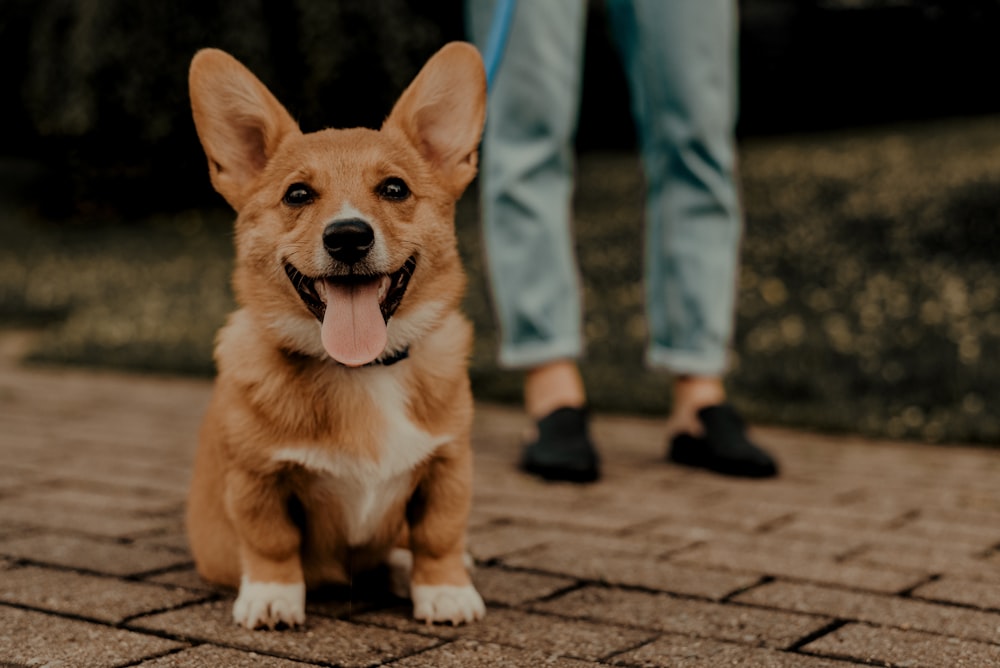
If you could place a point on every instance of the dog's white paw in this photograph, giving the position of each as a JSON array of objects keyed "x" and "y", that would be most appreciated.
[
  {"x": 270, "y": 604},
  {"x": 447, "y": 603}
]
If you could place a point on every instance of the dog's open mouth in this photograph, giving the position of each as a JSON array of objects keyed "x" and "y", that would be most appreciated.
[{"x": 353, "y": 309}]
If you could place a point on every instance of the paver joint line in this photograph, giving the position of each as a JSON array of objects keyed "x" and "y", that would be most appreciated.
[{"x": 816, "y": 635}]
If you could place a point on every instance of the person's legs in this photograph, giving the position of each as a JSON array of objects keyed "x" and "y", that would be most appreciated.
[
  {"x": 680, "y": 60},
  {"x": 526, "y": 179},
  {"x": 526, "y": 184}
]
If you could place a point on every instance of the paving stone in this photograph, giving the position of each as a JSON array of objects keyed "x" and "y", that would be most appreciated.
[
  {"x": 672, "y": 650},
  {"x": 889, "y": 538},
  {"x": 741, "y": 556},
  {"x": 587, "y": 513},
  {"x": 30, "y": 638},
  {"x": 96, "y": 597},
  {"x": 323, "y": 639},
  {"x": 18, "y": 478},
  {"x": 209, "y": 656},
  {"x": 841, "y": 521},
  {"x": 496, "y": 540},
  {"x": 966, "y": 495},
  {"x": 88, "y": 554},
  {"x": 633, "y": 543},
  {"x": 398, "y": 616},
  {"x": 553, "y": 636},
  {"x": 813, "y": 547},
  {"x": 186, "y": 578},
  {"x": 876, "y": 609},
  {"x": 959, "y": 518},
  {"x": 938, "y": 490},
  {"x": 713, "y": 521},
  {"x": 173, "y": 538},
  {"x": 895, "y": 647},
  {"x": 500, "y": 585},
  {"x": 698, "y": 618},
  {"x": 626, "y": 569},
  {"x": 24, "y": 513},
  {"x": 781, "y": 494},
  {"x": 9, "y": 531},
  {"x": 85, "y": 468},
  {"x": 472, "y": 654},
  {"x": 953, "y": 531},
  {"x": 959, "y": 590},
  {"x": 114, "y": 500},
  {"x": 933, "y": 559}
]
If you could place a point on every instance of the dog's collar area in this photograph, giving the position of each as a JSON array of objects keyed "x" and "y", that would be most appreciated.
[
  {"x": 397, "y": 356},
  {"x": 389, "y": 360}
]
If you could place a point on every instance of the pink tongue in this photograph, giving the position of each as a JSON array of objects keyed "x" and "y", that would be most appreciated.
[{"x": 353, "y": 329}]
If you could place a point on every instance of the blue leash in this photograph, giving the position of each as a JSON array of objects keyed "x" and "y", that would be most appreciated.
[{"x": 503, "y": 15}]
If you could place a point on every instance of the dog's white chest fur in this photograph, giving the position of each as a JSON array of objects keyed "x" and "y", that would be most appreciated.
[{"x": 366, "y": 489}]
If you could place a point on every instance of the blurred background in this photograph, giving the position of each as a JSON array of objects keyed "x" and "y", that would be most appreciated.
[{"x": 870, "y": 161}]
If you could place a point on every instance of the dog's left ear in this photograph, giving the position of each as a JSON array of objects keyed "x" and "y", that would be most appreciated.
[
  {"x": 239, "y": 122},
  {"x": 443, "y": 111}
]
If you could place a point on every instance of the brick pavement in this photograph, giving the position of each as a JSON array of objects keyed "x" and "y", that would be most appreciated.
[{"x": 861, "y": 553}]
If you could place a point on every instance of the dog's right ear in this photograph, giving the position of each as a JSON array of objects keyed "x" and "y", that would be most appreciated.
[{"x": 239, "y": 122}]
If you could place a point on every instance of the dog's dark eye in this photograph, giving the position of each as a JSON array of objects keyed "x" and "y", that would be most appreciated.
[
  {"x": 394, "y": 189},
  {"x": 298, "y": 194}
]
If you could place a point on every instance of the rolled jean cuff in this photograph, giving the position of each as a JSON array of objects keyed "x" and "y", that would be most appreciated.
[
  {"x": 535, "y": 354},
  {"x": 688, "y": 362}
]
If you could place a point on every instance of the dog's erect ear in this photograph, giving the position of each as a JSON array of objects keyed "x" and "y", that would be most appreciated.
[
  {"x": 442, "y": 112},
  {"x": 239, "y": 122}
]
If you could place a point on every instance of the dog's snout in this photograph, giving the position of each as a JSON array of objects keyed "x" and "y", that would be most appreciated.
[{"x": 348, "y": 241}]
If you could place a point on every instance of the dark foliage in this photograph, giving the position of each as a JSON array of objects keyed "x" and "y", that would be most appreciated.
[
  {"x": 98, "y": 87},
  {"x": 104, "y": 82}
]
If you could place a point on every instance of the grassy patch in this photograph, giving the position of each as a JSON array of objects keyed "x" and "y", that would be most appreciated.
[{"x": 142, "y": 295}]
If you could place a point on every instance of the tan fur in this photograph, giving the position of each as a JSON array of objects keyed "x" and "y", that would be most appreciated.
[{"x": 287, "y": 426}]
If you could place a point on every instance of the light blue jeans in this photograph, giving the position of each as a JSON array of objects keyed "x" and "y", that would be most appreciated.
[{"x": 680, "y": 59}]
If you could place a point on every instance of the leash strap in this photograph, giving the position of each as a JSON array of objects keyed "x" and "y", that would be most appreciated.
[{"x": 503, "y": 15}]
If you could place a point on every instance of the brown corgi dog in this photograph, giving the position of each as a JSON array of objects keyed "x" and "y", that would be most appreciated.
[{"x": 337, "y": 437}]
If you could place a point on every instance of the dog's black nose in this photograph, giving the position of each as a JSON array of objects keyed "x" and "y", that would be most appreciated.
[{"x": 348, "y": 241}]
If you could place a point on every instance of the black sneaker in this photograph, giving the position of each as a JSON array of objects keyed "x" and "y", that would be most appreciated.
[
  {"x": 724, "y": 448},
  {"x": 563, "y": 450}
]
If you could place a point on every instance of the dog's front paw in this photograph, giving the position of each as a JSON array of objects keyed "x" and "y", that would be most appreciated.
[
  {"x": 447, "y": 603},
  {"x": 270, "y": 605}
]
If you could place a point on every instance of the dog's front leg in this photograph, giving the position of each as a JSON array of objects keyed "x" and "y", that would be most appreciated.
[
  {"x": 272, "y": 588},
  {"x": 440, "y": 586}
]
